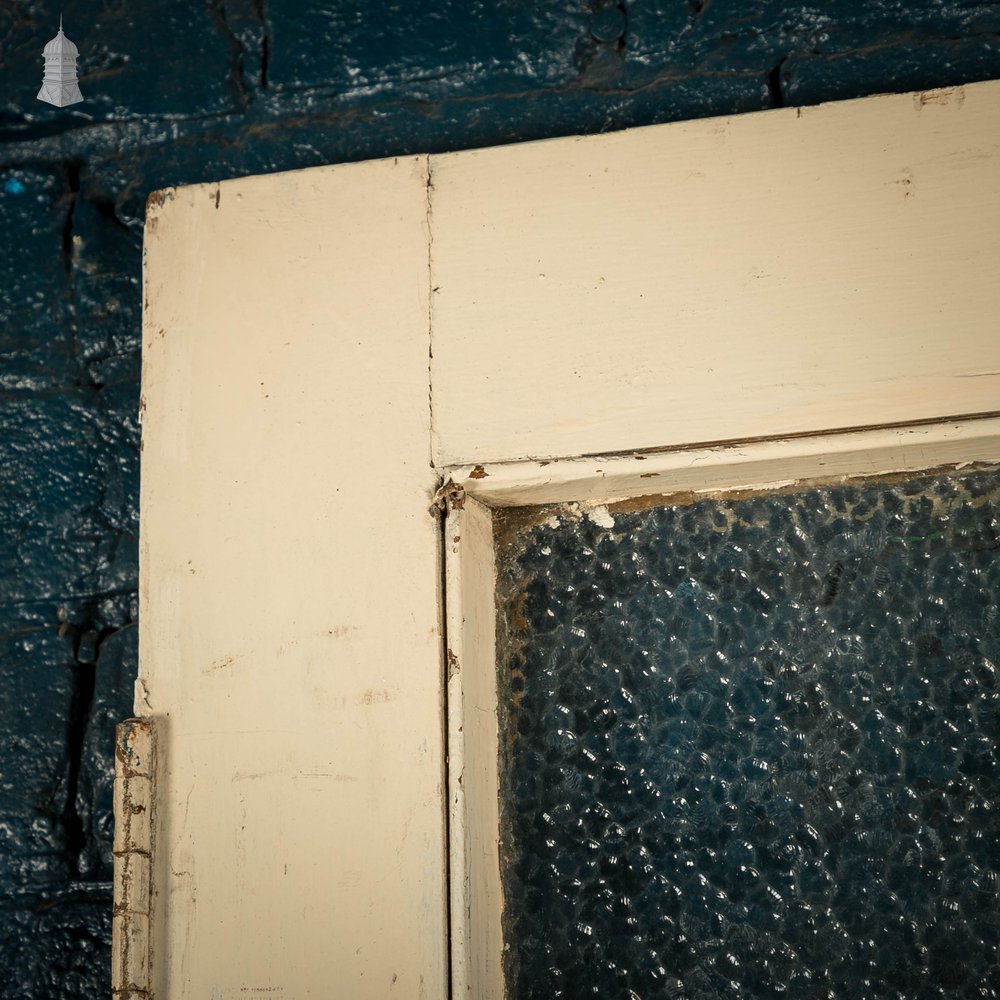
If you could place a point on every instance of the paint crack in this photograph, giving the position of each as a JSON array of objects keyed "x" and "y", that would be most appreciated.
[{"x": 432, "y": 290}]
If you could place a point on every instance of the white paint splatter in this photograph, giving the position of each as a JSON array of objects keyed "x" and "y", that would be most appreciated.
[{"x": 602, "y": 517}]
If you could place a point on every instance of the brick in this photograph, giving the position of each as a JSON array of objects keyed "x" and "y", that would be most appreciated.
[
  {"x": 36, "y": 677},
  {"x": 57, "y": 951},
  {"x": 433, "y": 50},
  {"x": 36, "y": 346}
]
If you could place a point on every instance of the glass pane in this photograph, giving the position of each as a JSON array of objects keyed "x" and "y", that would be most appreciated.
[{"x": 749, "y": 745}]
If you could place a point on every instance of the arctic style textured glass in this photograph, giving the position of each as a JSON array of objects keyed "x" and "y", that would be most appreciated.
[{"x": 750, "y": 746}]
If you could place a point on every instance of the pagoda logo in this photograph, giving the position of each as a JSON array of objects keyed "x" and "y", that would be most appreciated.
[{"x": 59, "y": 85}]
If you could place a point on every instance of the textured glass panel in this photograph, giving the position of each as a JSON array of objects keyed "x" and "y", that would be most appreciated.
[{"x": 749, "y": 746}]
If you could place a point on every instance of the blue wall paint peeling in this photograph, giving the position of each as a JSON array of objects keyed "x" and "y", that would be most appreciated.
[{"x": 185, "y": 92}]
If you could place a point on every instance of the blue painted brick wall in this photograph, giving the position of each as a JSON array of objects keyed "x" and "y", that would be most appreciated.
[{"x": 184, "y": 91}]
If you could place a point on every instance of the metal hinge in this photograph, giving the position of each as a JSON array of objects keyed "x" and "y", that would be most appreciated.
[{"x": 135, "y": 770}]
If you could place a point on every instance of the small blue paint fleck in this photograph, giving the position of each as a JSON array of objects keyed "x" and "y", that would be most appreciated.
[{"x": 14, "y": 186}]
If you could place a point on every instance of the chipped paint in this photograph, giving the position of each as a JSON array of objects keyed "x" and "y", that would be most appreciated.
[
  {"x": 449, "y": 496},
  {"x": 602, "y": 516},
  {"x": 141, "y": 696},
  {"x": 157, "y": 199},
  {"x": 940, "y": 95},
  {"x": 378, "y": 696}
]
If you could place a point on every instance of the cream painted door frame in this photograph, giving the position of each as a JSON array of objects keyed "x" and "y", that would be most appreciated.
[
  {"x": 323, "y": 349},
  {"x": 594, "y": 487}
]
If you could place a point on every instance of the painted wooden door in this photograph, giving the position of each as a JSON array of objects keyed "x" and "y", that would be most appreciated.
[{"x": 347, "y": 368}]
